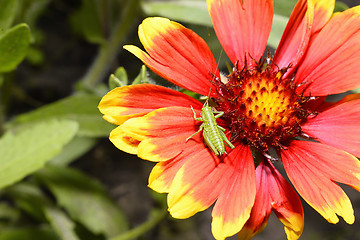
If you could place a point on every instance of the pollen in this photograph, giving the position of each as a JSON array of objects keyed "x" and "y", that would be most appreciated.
[{"x": 261, "y": 107}]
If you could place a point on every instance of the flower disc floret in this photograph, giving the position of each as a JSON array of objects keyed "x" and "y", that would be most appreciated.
[{"x": 262, "y": 108}]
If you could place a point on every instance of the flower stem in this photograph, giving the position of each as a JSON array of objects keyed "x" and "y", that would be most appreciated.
[
  {"x": 158, "y": 216},
  {"x": 110, "y": 49}
]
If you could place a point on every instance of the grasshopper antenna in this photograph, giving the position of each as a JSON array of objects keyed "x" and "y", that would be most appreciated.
[{"x": 213, "y": 76}]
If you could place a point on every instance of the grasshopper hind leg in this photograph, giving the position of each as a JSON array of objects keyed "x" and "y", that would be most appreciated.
[{"x": 226, "y": 140}]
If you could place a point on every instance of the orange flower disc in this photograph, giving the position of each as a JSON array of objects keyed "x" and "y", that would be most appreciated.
[{"x": 262, "y": 109}]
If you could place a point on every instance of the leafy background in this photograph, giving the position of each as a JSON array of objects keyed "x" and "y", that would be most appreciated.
[{"x": 60, "y": 177}]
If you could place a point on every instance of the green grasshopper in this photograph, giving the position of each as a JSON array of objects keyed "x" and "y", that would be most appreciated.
[{"x": 214, "y": 135}]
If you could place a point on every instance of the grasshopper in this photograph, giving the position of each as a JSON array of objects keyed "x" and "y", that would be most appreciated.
[{"x": 214, "y": 135}]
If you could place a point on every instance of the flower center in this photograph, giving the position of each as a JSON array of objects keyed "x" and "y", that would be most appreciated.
[{"x": 261, "y": 108}]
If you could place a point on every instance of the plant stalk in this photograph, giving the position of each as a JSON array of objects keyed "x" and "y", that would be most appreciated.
[
  {"x": 111, "y": 48},
  {"x": 134, "y": 233}
]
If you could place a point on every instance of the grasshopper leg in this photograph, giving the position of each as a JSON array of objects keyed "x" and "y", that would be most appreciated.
[
  {"x": 227, "y": 142},
  {"x": 200, "y": 129},
  {"x": 195, "y": 117},
  {"x": 219, "y": 114}
]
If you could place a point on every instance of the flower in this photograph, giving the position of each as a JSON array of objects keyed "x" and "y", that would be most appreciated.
[{"x": 274, "y": 111}]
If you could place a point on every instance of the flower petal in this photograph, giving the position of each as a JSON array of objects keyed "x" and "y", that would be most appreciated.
[
  {"x": 313, "y": 167},
  {"x": 162, "y": 175},
  {"x": 124, "y": 142},
  {"x": 322, "y": 13},
  {"x": 331, "y": 64},
  {"x": 162, "y": 133},
  {"x": 273, "y": 192},
  {"x": 242, "y": 26},
  {"x": 176, "y": 54},
  {"x": 123, "y": 103},
  {"x": 287, "y": 205},
  {"x": 320, "y": 106},
  {"x": 233, "y": 207},
  {"x": 338, "y": 126},
  {"x": 197, "y": 184},
  {"x": 296, "y": 36}
]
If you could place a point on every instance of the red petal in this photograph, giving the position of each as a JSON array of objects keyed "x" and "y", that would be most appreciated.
[
  {"x": 242, "y": 26},
  {"x": 233, "y": 207},
  {"x": 176, "y": 54},
  {"x": 313, "y": 167},
  {"x": 273, "y": 192},
  {"x": 338, "y": 126},
  {"x": 327, "y": 105},
  {"x": 162, "y": 175},
  {"x": 296, "y": 36},
  {"x": 331, "y": 64},
  {"x": 123, "y": 103},
  {"x": 197, "y": 184},
  {"x": 123, "y": 141},
  {"x": 162, "y": 133}
]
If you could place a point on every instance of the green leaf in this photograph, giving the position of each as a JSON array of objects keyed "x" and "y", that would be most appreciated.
[
  {"x": 32, "y": 10},
  {"x": 13, "y": 47},
  {"x": 357, "y": 90},
  {"x": 85, "y": 200},
  {"x": 28, "y": 234},
  {"x": 8, "y": 214},
  {"x": 30, "y": 198},
  {"x": 35, "y": 56},
  {"x": 81, "y": 108},
  {"x": 141, "y": 77},
  {"x": 28, "y": 150},
  {"x": 119, "y": 78},
  {"x": 114, "y": 82},
  {"x": 61, "y": 223},
  {"x": 8, "y": 9},
  {"x": 87, "y": 21},
  {"x": 277, "y": 29},
  {"x": 73, "y": 150},
  {"x": 185, "y": 11},
  {"x": 340, "y": 6},
  {"x": 121, "y": 74},
  {"x": 284, "y": 7}
]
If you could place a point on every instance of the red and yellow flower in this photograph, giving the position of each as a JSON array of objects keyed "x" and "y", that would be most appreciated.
[{"x": 274, "y": 110}]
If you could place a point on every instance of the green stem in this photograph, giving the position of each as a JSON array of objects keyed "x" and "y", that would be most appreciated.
[
  {"x": 159, "y": 215},
  {"x": 2, "y": 105},
  {"x": 111, "y": 48}
]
